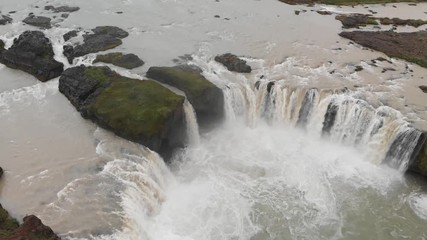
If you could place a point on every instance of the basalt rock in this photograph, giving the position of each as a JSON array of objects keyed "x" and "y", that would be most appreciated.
[
  {"x": 32, "y": 52},
  {"x": 38, "y": 21},
  {"x": 128, "y": 61},
  {"x": 233, "y": 63},
  {"x": 418, "y": 161},
  {"x": 70, "y": 34},
  {"x": 206, "y": 98},
  {"x": 103, "y": 38},
  {"x": 61, "y": 8},
  {"x": 141, "y": 111},
  {"x": 356, "y": 20},
  {"x": 5, "y": 19},
  {"x": 32, "y": 228},
  {"x": 1, "y": 172},
  {"x": 411, "y": 46}
]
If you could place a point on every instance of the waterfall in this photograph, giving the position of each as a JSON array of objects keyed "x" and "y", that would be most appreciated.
[
  {"x": 382, "y": 133},
  {"x": 191, "y": 124}
]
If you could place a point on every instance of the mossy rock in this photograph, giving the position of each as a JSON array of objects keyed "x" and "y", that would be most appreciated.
[
  {"x": 128, "y": 61},
  {"x": 206, "y": 98},
  {"x": 7, "y": 224},
  {"x": 142, "y": 111},
  {"x": 419, "y": 162}
]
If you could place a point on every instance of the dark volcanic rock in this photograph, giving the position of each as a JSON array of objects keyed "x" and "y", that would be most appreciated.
[
  {"x": 233, "y": 63},
  {"x": 141, "y": 111},
  {"x": 61, "y": 9},
  {"x": 423, "y": 88},
  {"x": 356, "y": 20},
  {"x": 31, "y": 229},
  {"x": 38, "y": 21},
  {"x": 102, "y": 38},
  {"x": 5, "y": 20},
  {"x": 32, "y": 52},
  {"x": 128, "y": 61},
  {"x": 1, "y": 172},
  {"x": 418, "y": 162},
  {"x": 70, "y": 35},
  {"x": 1, "y": 46},
  {"x": 206, "y": 98},
  {"x": 409, "y": 46}
]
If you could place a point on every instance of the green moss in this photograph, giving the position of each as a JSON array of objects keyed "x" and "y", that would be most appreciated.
[
  {"x": 371, "y": 21},
  {"x": 7, "y": 224},
  {"x": 190, "y": 82},
  {"x": 135, "y": 107},
  {"x": 101, "y": 74}
]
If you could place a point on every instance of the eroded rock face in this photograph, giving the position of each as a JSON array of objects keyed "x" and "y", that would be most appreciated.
[
  {"x": 206, "y": 98},
  {"x": 408, "y": 46},
  {"x": 32, "y": 52},
  {"x": 141, "y": 111},
  {"x": 38, "y": 21},
  {"x": 128, "y": 61},
  {"x": 418, "y": 162},
  {"x": 32, "y": 228},
  {"x": 233, "y": 63},
  {"x": 102, "y": 38}
]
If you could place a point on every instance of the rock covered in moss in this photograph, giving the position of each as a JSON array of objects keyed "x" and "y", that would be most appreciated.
[
  {"x": 233, "y": 63},
  {"x": 8, "y": 225},
  {"x": 128, "y": 61},
  {"x": 32, "y": 52},
  {"x": 206, "y": 98},
  {"x": 103, "y": 38},
  {"x": 38, "y": 21},
  {"x": 141, "y": 111}
]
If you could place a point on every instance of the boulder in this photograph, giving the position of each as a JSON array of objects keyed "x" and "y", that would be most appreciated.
[
  {"x": 423, "y": 88},
  {"x": 356, "y": 20},
  {"x": 70, "y": 34},
  {"x": 233, "y": 63},
  {"x": 32, "y": 52},
  {"x": 5, "y": 20},
  {"x": 38, "y": 21},
  {"x": 141, "y": 111},
  {"x": 102, "y": 38},
  {"x": 206, "y": 98},
  {"x": 410, "y": 46},
  {"x": 61, "y": 8},
  {"x": 128, "y": 61}
]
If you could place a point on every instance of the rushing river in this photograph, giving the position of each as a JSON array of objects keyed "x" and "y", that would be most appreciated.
[{"x": 278, "y": 168}]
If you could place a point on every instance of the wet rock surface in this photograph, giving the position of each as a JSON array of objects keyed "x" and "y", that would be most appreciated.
[
  {"x": 408, "y": 46},
  {"x": 32, "y": 52},
  {"x": 206, "y": 98},
  {"x": 38, "y": 21},
  {"x": 360, "y": 20},
  {"x": 233, "y": 63},
  {"x": 5, "y": 19},
  {"x": 61, "y": 9},
  {"x": 141, "y": 111},
  {"x": 128, "y": 61},
  {"x": 70, "y": 35},
  {"x": 103, "y": 38}
]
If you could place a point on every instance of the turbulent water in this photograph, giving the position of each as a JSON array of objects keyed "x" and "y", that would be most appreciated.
[{"x": 310, "y": 148}]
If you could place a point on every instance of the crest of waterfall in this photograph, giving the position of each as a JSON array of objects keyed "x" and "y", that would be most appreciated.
[{"x": 191, "y": 124}]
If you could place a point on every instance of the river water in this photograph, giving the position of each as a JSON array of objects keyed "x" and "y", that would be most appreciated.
[{"x": 264, "y": 174}]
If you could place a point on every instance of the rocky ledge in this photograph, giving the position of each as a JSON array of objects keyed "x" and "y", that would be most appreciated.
[
  {"x": 206, "y": 98},
  {"x": 233, "y": 63},
  {"x": 101, "y": 39},
  {"x": 5, "y": 19},
  {"x": 418, "y": 161},
  {"x": 128, "y": 61},
  {"x": 32, "y": 53},
  {"x": 357, "y": 20},
  {"x": 38, "y": 21},
  {"x": 408, "y": 46},
  {"x": 142, "y": 111}
]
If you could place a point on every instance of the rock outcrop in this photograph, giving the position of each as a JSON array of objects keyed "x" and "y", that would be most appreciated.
[
  {"x": 141, "y": 111},
  {"x": 128, "y": 61},
  {"x": 5, "y": 19},
  {"x": 233, "y": 63},
  {"x": 32, "y": 228},
  {"x": 102, "y": 38},
  {"x": 411, "y": 46},
  {"x": 38, "y": 21},
  {"x": 61, "y": 9},
  {"x": 418, "y": 162},
  {"x": 32, "y": 52},
  {"x": 356, "y": 20},
  {"x": 206, "y": 98}
]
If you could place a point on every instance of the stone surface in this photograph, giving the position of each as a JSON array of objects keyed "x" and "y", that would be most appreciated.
[
  {"x": 128, "y": 61},
  {"x": 141, "y": 111},
  {"x": 32, "y": 52},
  {"x": 38, "y": 21},
  {"x": 408, "y": 46},
  {"x": 5, "y": 19},
  {"x": 103, "y": 38},
  {"x": 206, "y": 98},
  {"x": 233, "y": 63},
  {"x": 61, "y": 8}
]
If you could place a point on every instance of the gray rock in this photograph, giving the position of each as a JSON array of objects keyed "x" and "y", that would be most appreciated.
[
  {"x": 5, "y": 20},
  {"x": 128, "y": 61},
  {"x": 38, "y": 21},
  {"x": 233, "y": 63},
  {"x": 61, "y": 9}
]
